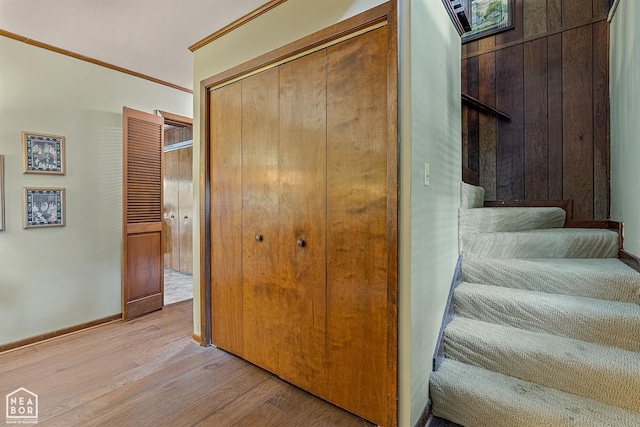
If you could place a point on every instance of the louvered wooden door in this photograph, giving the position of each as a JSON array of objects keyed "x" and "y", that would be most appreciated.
[{"x": 142, "y": 252}]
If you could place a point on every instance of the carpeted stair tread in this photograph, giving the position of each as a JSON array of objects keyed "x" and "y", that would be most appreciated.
[
  {"x": 598, "y": 372},
  {"x": 509, "y": 219},
  {"x": 592, "y": 320},
  {"x": 475, "y": 397},
  {"x": 549, "y": 243},
  {"x": 608, "y": 279}
]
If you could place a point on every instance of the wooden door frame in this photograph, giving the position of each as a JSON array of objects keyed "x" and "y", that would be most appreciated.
[{"x": 384, "y": 14}]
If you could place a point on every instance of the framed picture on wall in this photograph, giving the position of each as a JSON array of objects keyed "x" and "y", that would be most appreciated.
[
  {"x": 489, "y": 17},
  {"x": 42, "y": 153},
  {"x": 43, "y": 207},
  {"x": 1, "y": 192}
]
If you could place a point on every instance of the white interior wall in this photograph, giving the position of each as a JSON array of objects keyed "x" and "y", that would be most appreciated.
[
  {"x": 59, "y": 277},
  {"x": 435, "y": 138},
  {"x": 625, "y": 127}
]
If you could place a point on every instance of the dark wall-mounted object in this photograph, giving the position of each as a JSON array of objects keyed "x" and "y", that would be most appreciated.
[{"x": 460, "y": 13}]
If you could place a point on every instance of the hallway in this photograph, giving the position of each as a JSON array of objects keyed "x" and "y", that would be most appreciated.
[
  {"x": 178, "y": 286},
  {"x": 147, "y": 372}
]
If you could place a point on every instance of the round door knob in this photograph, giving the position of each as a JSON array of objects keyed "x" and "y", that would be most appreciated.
[
  {"x": 301, "y": 243},
  {"x": 172, "y": 216},
  {"x": 259, "y": 238},
  {"x": 186, "y": 217}
]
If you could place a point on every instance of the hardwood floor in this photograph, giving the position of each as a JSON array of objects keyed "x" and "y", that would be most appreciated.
[{"x": 147, "y": 372}]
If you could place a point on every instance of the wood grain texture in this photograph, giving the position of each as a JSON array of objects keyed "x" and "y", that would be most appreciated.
[
  {"x": 554, "y": 114},
  {"x": 357, "y": 225},
  {"x": 601, "y": 147},
  {"x": 392, "y": 189},
  {"x": 178, "y": 210},
  {"x": 486, "y": 43},
  {"x": 548, "y": 112},
  {"x": 510, "y": 143},
  {"x": 554, "y": 14},
  {"x": 263, "y": 307},
  {"x": 517, "y": 32},
  {"x": 536, "y": 121},
  {"x": 178, "y": 134},
  {"x": 108, "y": 376},
  {"x": 142, "y": 239},
  {"x": 303, "y": 216},
  {"x": 600, "y": 8},
  {"x": 144, "y": 261},
  {"x": 535, "y": 17},
  {"x": 185, "y": 209},
  {"x": 375, "y": 140},
  {"x": 576, "y": 12},
  {"x": 473, "y": 89},
  {"x": 465, "y": 114},
  {"x": 488, "y": 126},
  {"x": 577, "y": 77},
  {"x": 226, "y": 217},
  {"x": 171, "y": 214}
]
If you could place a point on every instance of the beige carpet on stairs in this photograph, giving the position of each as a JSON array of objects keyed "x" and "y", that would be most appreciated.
[{"x": 547, "y": 324}]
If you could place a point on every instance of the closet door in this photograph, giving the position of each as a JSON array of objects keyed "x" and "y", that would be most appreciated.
[
  {"x": 185, "y": 211},
  {"x": 303, "y": 209},
  {"x": 226, "y": 217},
  {"x": 171, "y": 215},
  {"x": 263, "y": 307},
  {"x": 357, "y": 268}
]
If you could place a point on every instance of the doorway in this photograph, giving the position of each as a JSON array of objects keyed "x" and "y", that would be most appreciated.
[{"x": 178, "y": 208}]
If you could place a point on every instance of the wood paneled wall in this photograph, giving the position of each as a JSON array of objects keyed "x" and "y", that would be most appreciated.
[
  {"x": 551, "y": 75},
  {"x": 176, "y": 134}
]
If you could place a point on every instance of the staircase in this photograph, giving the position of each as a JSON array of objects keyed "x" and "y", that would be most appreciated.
[{"x": 546, "y": 329}]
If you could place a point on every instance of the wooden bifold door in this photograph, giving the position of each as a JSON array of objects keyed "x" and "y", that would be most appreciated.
[{"x": 303, "y": 223}]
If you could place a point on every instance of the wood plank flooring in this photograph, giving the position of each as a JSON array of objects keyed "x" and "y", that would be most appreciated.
[{"x": 147, "y": 372}]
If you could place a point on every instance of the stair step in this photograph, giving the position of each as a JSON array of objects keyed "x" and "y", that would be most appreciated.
[
  {"x": 553, "y": 243},
  {"x": 608, "y": 279},
  {"x": 610, "y": 323},
  {"x": 475, "y": 397},
  {"x": 603, "y": 373},
  {"x": 485, "y": 220}
]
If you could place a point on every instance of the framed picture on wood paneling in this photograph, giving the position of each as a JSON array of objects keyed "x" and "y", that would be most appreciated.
[
  {"x": 42, "y": 153},
  {"x": 1, "y": 192},
  {"x": 43, "y": 207},
  {"x": 489, "y": 17}
]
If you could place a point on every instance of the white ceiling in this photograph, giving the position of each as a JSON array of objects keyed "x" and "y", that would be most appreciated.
[{"x": 148, "y": 36}]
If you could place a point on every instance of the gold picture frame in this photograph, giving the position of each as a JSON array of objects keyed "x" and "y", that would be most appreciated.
[
  {"x": 43, "y": 153},
  {"x": 43, "y": 207}
]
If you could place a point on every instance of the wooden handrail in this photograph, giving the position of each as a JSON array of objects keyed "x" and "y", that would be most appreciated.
[{"x": 485, "y": 108}]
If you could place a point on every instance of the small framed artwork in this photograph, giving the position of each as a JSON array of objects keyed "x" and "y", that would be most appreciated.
[
  {"x": 489, "y": 17},
  {"x": 1, "y": 192},
  {"x": 43, "y": 207},
  {"x": 43, "y": 153}
]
